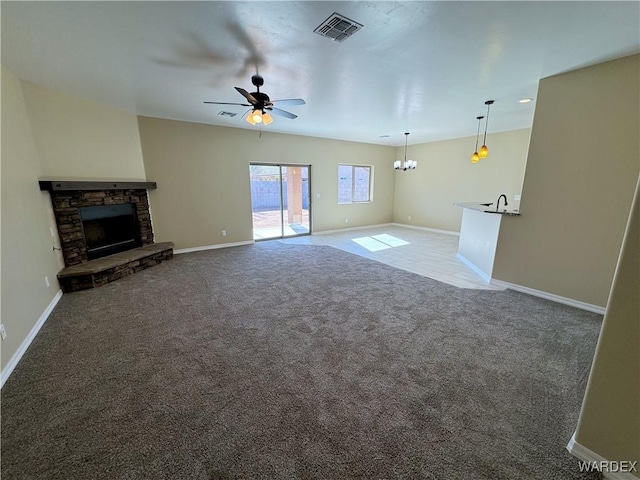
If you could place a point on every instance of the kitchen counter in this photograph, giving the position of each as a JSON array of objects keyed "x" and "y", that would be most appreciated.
[
  {"x": 479, "y": 236},
  {"x": 487, "y": 208}
]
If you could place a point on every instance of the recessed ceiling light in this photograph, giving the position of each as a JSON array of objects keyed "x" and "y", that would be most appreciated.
[
  {"x": 384, "y": 136},
  {"x": 525, "y": 100}
]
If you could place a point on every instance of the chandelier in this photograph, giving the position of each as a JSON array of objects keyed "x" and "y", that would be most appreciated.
[{"x": 407, "y": 164}]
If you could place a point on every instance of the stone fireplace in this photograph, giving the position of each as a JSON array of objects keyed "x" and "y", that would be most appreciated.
[
  {"x": 85, "y": 216},
  {"x": 105, "y": 230}
]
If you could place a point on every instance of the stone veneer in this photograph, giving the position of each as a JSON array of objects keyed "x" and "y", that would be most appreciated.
[{"x": 66, "y": 205}]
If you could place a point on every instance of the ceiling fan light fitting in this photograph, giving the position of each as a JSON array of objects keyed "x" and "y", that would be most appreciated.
[
  {"x": 257, "y": 116},
  {"x": 266, "y": 118}
]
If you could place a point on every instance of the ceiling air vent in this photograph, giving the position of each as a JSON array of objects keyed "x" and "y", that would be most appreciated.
[
  {"x": 337, "y": 27},
  {"x": 227, "y": 114}
]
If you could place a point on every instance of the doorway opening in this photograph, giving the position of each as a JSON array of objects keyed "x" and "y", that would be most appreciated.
[{"x": 280, "y": 200}]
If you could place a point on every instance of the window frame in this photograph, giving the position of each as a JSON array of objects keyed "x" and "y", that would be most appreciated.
[{"x": 353, "y": 183}]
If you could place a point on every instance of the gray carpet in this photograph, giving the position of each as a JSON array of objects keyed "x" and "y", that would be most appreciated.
[{"x": 280, "y": 361}]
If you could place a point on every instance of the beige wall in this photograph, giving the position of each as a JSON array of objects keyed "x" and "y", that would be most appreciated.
[
  {"x": 48, "y": 134},
  {"x": 445, "y": 175},
  {"x": 579, "y": 182},
  {"x": 80, "y": 139},
  {"x": 609, "y": 423},
  {"x": 27, "y": 256},
  {"x": 203, "y": 179}
]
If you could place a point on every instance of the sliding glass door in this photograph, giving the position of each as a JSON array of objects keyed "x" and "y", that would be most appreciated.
[{"x": 280, "y": 200}]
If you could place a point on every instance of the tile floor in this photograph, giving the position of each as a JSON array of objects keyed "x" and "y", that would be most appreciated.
[{"x": 426, "y": 253}]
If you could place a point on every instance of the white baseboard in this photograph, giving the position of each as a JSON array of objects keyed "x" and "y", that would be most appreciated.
[
  {"x": 362, "y": 227},
  {"x": 427, "y": 229},
  {"x": 213, "y": 247},
  {"x": 475, "y": 269},
  {"x": 8, "y": 368},
  {"x": 583, "y": 453},
  {"x": 550, "y": 296}
]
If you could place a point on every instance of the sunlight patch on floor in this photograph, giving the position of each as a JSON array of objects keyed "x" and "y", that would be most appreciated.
[
  {"x": 379, "y": 242},
  {"x": 390, "y": 240}
]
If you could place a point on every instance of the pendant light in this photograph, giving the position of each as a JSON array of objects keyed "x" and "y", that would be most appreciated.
[
  {"x": 475, "y": 158},
  {"x": 408, "y": 164},
  {"x": 484, "y": 151}
]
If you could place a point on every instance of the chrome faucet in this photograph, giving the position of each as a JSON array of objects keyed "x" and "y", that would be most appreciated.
[{"x": 498, "y": 202}]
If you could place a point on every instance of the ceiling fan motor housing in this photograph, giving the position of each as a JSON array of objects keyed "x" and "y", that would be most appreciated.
[{"x": 263, "y": 99}]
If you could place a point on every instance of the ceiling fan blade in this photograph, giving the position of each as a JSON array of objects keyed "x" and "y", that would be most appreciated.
[
  {"x": 247, "y": 95},
  {"x": 227, "y": 103},
  {"x": 282, "y": 113},
  {"x": 254, "y": 59},
  {"x": 289, "y": 101},
  {"x": 194, "y": 52}
]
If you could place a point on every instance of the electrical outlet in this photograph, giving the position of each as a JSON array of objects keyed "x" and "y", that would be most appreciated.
[
  {"x": 516, "y": 198},
  {"x": 317, "y": 195},
  {"x": 346, "y": 220},
  {"x": 46, "y": 280},
  {"x": 409, "y": 218},
  {"x": 3, "y": 332},
  {"x": 224, "y": 233}
]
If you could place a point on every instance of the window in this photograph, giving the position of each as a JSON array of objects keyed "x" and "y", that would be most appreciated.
[{"x": 354, "y": 183}]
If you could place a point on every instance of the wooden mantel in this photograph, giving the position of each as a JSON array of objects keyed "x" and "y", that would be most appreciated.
[{"x": 75, "y": 185}]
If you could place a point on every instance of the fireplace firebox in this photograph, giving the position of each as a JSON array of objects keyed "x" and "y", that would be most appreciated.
[{"x": 109, "y": 229}]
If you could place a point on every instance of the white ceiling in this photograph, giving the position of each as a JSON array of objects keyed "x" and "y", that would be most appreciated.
[{"x": 422, "y": 67}]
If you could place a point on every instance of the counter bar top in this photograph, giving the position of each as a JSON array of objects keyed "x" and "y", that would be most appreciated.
[{"x": 486, "y": 208}]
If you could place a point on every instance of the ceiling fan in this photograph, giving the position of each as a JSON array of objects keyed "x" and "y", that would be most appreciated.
[{"x": 259, "y": 102}]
